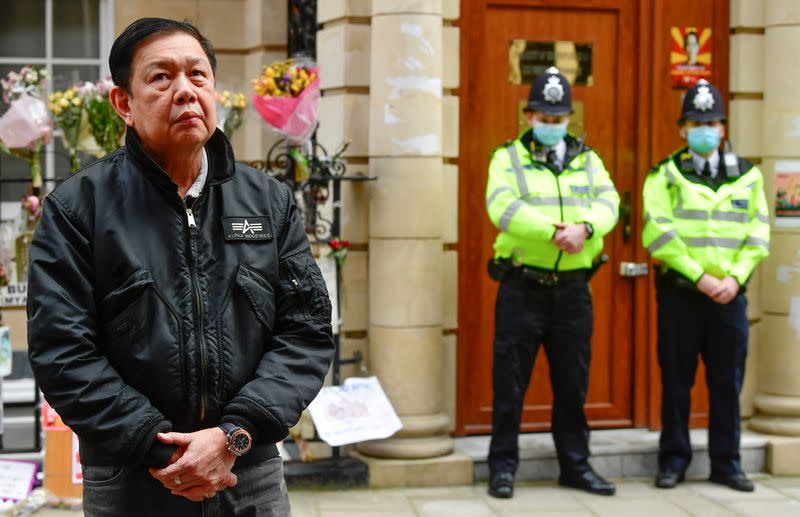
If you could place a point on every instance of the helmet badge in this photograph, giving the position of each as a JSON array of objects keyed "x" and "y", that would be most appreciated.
[
  {"x": 703, "y": 99},
  {"x": 553, "y": 90}
]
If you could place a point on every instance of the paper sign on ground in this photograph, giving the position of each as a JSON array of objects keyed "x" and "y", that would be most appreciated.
[
  {"x": 17, "y": 479},
  {"x": 355, "y": 412}
]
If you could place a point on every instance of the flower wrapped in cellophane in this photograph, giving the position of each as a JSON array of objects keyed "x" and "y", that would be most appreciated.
[
  {"x": 108, "y": 128},
  {"x": 26, "y": 127},
  {"x": 230, "y": 111},
  {"x": 68, "y": 114},
  {"x": 287, "y": 98}
]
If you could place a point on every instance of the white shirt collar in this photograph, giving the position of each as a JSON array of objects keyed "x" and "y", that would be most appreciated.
[
  {"x": 561, "y": 151},
  {"x": 197, "y": 187},
  {"x": 700, "y": 162}
]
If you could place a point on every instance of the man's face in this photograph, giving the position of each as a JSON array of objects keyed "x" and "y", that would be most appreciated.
[
  {"x": 689, "y": 124},
  {"x": 171, "y": 104},
  {"x": 543, "y": 118}
]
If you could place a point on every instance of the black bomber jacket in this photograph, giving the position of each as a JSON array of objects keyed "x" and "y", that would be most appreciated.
[{"x": 147, "y": 315}]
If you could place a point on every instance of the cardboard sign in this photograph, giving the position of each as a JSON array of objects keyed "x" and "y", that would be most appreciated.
[
  {"x": 355, "y": 412},
  {"x": 690, "y": 58},
  {"x": 14, "y": 295},
  {"x": 17, "y": 479}
]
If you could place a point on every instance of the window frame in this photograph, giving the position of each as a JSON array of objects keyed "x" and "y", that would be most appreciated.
[{"x": 105, "y": 27}]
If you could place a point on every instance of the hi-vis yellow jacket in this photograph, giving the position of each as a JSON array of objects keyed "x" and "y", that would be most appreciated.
[
  {"x": 694, "y": 229},
  {"x": 525, "y": 198}
]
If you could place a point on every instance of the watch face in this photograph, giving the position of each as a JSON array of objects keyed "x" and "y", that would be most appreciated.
[{"x": 240, "y": 442}]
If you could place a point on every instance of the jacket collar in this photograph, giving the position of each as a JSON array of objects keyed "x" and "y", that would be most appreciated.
[
  {"x": 221, "y": 163},
  {"x": 538, "y": 153}
]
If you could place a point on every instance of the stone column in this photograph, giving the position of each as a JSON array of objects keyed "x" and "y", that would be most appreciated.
[
  {"x": 405, "y": 230},
  {"x": 746, "y": 107},
  {"x": 777, "y": 402}
]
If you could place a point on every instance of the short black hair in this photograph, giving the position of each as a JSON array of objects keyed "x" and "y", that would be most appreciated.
[
  {"x": 120, "y": 60},
  {"x": 686, "y": 38}
]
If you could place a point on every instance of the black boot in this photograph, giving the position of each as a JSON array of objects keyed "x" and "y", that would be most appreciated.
[
  {"x": 588, "y": 481},
  {"x": 501, "y": 485}
]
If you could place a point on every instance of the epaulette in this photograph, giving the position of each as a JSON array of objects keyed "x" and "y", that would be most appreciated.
[
  {"x": 656, "y": 167},
  {"x": 501, "y": 146}
]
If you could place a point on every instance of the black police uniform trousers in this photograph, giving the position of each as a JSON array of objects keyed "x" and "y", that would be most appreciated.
[
  {"x": 690, "y": 323},
  {"x": 528, "y": 315}
]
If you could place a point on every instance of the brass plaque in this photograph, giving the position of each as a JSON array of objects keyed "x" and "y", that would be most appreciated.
[
  {"x": 527, "y": 59},
  {"x": 575, "y": 123}
]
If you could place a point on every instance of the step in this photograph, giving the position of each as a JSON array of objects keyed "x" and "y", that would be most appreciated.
[{"x": 617, "y": 453}]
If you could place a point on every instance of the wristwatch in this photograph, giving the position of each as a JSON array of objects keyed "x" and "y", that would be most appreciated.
[
  {"x": 239, "y": 441},
  {"x": 589, "y": 229}
]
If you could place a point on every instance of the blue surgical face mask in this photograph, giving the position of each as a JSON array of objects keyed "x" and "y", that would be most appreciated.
[
  {"x": 549, "y": 134},
  {"x": 703, "y": 139}
]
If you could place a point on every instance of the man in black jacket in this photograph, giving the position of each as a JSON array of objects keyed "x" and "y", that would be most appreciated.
[{"x": 177, "y": 320}]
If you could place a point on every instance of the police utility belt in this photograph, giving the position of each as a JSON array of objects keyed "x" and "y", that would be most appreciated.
[{"x": 502, "y": 268}]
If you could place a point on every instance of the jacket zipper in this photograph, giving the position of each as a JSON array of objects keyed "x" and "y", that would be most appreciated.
[
  {"x": 199, "y": 304},
  {"x": 561, "y": 210}
]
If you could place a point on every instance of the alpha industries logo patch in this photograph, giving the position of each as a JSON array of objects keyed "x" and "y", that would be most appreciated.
[{"x": 247, "y": 228}]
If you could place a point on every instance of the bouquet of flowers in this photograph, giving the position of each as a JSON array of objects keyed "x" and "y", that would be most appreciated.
[
  {"x": 67, "y": 110},
  {"x": 108, "y": 128},
  {"x": 287, "y": 98},
  {"x": 230, "y": 111},
  {"x": 26, "y": 127}
]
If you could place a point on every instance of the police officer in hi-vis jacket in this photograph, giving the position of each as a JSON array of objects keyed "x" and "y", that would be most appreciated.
[
  {"x": 553, "y": 201},
  {"x": 706, "y": 221}
]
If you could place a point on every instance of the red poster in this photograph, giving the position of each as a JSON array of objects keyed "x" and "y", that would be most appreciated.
[{"x": 690, "y": 56}]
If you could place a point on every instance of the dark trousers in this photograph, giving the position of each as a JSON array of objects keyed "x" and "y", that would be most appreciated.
[
  {"x": 528, "y": 315},
  {"x": 131, "y": 491},
  {"x": 690, "y": 323}
]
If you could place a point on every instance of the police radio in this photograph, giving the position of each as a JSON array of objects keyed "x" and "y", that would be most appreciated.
[{"x": 731, "y": 161}]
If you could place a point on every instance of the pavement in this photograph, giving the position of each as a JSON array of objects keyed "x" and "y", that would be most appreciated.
[{"x": 773, "y": 497}]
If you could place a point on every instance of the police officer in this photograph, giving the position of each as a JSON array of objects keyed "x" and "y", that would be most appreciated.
[
  {"x": 553, "y": 201},
  {"x": 706, "y": 221}
]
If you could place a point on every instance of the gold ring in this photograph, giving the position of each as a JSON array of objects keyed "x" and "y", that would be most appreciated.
[{"x": 177, "y": 480}]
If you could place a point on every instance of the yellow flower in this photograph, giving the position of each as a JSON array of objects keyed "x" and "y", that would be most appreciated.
[
  {"x": 70, "y": 94},
  {"x": 64, "y": 102},
  {"x": 76, "y": 101}
]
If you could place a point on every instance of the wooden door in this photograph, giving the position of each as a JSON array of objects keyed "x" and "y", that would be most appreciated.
[
  {"x": 629, "y": 112},
  {"x": 490, "y": 106}
]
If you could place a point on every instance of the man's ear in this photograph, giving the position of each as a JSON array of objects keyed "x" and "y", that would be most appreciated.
[
  {"x": 682, "y": 131},
  {"x": 121, "y": 101}
]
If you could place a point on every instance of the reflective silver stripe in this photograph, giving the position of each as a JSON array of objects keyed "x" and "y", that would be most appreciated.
[
  {"x": 518, "y": 171},
  {"x": 738, "y": 217},
  {"x": 602, "y": 189},
  {"x": 608, "y": 204},
  {"x": 718, "y": 242},
  {"x": 663, "y": 239},
  {"x": 496, "y": 193},
  {"x": 700, "y": 215},
  {"x": 505, "y": 219},
  {"x": 763, "y": 218},
  {"x": 590, "y": 171},
  {"x": 671, "y": 177},
  {"x": 752, "y": 186},
  {"x": 661, "y": 220},
  {"x": 554, "y": 201},
  {"x": 755, "y": 241}
]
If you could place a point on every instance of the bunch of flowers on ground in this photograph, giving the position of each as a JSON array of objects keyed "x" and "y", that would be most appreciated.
[
  {"x": 26, "y": 127},
  {"x": 230, "y": 111},
  {"x": 287, "y": 98}
]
